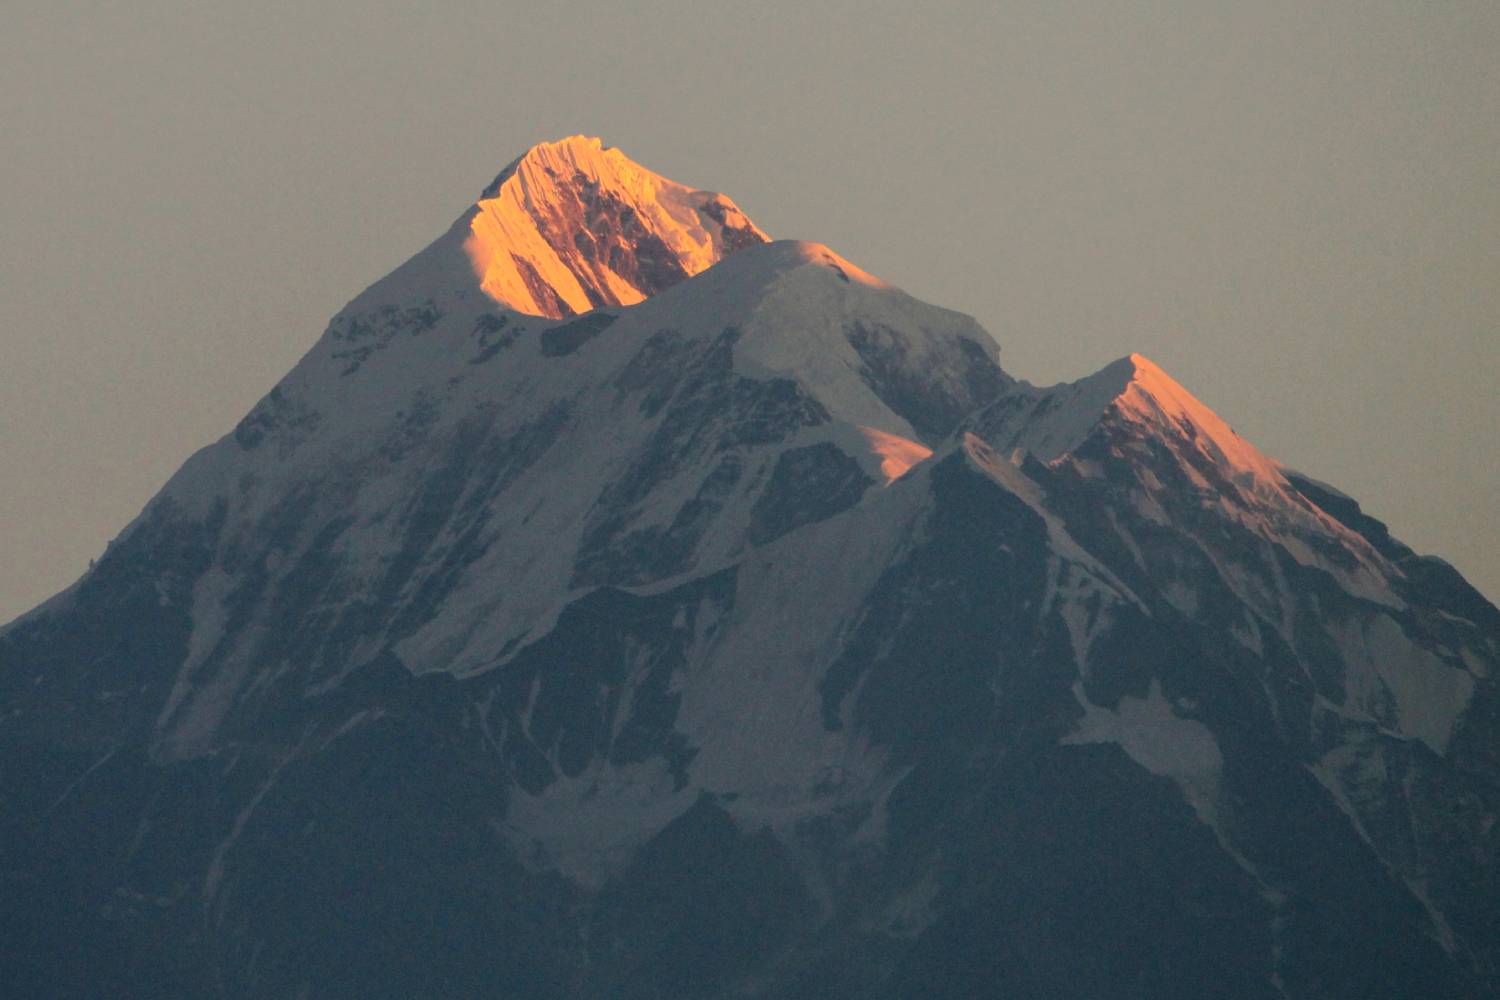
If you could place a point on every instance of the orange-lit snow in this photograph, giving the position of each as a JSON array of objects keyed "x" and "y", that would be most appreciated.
[
  {"x": 1269, "y": 505},
  {"x": 897, "y": 454},
  {"x": 538, "y": 199},
  {"x": 1051, "y": 424},
  {"x": 1152, "y": 395}
]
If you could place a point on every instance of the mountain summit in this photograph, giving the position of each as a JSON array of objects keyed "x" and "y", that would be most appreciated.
[
  {"x": 575, "y": 225},
  {"x": 615, "y": 603}
]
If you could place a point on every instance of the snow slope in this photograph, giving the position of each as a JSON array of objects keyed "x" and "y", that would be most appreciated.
[{"x": 431, "y": 444}]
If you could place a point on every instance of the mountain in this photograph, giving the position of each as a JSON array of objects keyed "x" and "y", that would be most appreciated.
[
  {"x": 573, "y": 226},
  {"x": 615, "y": 602}
]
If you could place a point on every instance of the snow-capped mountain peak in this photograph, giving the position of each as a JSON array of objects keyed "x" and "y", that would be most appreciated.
[
  {"x": 575, "y": 225},
  {"x": 1151, "y": 395},
  {"x": 1131, "y": 415},
  {"x": 1053, "y": 422},
  {"x": 752, "y": 634}
]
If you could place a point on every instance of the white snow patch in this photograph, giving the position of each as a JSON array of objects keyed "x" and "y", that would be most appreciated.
[
  {"x": 1082, "y": 603},
  {"x": 751, "y": 700},
  {"x": 208, "y": 618},
  {"x": 1161, "y": 741},
  {"x": 589, "y": 827},
  {"x": 1386, "y": 670}
]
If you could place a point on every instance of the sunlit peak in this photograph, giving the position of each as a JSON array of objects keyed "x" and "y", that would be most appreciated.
[{"x": 574, "y": 225}]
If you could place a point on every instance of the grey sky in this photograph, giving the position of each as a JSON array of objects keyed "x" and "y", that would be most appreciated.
[{"x": 1295, "y": 211}]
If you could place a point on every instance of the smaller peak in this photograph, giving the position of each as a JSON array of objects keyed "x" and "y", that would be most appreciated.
[
  {"x": 1121, "y": 372},
  {"x": 1149, "y": 373},
  {"x": 1152, "y": 398},
  {"x": 1050, "y": 423},
  {"x": 1137, "y": 376},
  {"x": 1149, "y": 393}
]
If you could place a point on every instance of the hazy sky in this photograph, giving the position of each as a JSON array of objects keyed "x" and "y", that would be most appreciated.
[{"x": 1293, "y": 208}]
